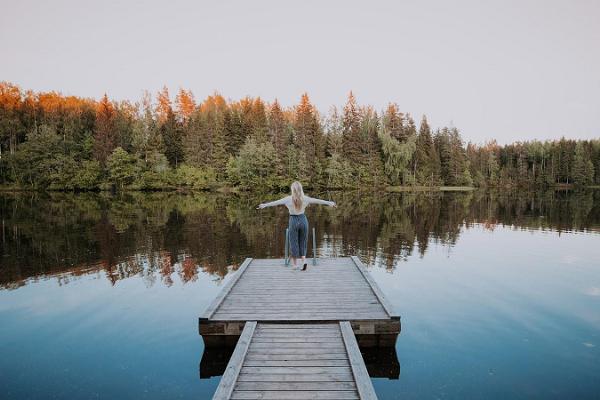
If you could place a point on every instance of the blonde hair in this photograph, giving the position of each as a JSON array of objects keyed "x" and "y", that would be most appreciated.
[{"x": 297, "y": 195}]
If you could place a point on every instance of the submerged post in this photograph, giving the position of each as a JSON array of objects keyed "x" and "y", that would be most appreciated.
[
  {"x": 287, "y": 243},
  {"x": 314, "y": 248}
]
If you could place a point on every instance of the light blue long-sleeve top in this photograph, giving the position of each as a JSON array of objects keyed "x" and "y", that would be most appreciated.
[{"x": 289, "y": 203}]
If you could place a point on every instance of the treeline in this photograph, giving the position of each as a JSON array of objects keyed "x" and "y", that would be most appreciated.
[{"x": 56, "y": 142}]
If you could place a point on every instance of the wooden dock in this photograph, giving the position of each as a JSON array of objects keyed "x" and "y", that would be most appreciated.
[
  {"x": 296, "y": 361},
  {"x": 265, "y": 290},
  {"x": 297, "y": 332}
]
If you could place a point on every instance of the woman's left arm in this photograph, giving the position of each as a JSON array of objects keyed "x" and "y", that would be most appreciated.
[{"x": 312, "y": 200}]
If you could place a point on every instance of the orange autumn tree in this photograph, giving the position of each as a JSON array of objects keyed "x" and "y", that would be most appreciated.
[{"x": 104, "y": 132}]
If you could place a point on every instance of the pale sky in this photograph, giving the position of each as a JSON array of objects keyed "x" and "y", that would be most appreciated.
[{"x": 510, "y": 70}]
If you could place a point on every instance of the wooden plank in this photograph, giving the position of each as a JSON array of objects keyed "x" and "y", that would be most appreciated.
[
  {"x": 375, "y": 287},
  {"x": 225, "y": 388},
  {"x": 296, "y": 370},
  {"x": 299, "y": 395},
  {"x": 225, "y": 291},
  {"x": 312, "y": 339},
  {"x": 304, "y": 331},
  {"x": 296, "y": 363},
  {"x": 297, "y": 351},
  {"x": 295, "y": 377},
  {"x": 296, "y": 386},
  {"x": 306, "y": 308},
  {"x": 298, "y": 356},
  {"x": 326, "y": 347},
  {"x": 292, "y": 331},
  {"x": 341, "y": 304},
  {"x": 277, "y": 335},
  {"x": 359, "y": 370},
  {"x": 264, "y": 326},
  {"x": 314, "y": 316}
]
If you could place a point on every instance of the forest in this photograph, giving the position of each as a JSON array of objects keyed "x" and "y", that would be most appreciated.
[{"x": 49, "y": 141}]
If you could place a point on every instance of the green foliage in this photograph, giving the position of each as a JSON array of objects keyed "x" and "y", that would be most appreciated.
[
  {"x": 397, "y": 157},
  {"x": 123, "y": 168},
  {"x": 253, "y": 168},
  {"x": 583, "y": 168},
  {"x": 194, "y": 178},
  {"x": 49, "y": 141},
  {"x": 338, "y": 173},
  {"x": 87, "y": 175},
  {"x": 34, "y": 165},
  {"x": 173, "y": 140}
]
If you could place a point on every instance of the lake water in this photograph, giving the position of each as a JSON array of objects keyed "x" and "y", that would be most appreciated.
[{"x": 499, "y": 293}]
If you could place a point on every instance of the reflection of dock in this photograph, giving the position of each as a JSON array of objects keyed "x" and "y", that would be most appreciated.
[
  {"x": 299, "y": 329},
  {"x": 381, "y": 362}
]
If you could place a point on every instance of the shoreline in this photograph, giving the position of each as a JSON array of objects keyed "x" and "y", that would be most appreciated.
[{"x": 234, "y": 189}]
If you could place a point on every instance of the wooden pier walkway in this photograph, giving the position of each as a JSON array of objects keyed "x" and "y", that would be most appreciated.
[
  {"x": 299, "y": 331},
  {"x": 296, "y": 361}
]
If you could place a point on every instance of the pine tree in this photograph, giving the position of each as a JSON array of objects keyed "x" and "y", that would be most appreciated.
[
  {"x": 185, "y": 105},
  {"x": 163, "y": 106},
  {"x": 258, "y": 120},
  {"x": 426, "y": 161},
  {"x": 173, "y": 139},
  {"x": 583, "y": 168},
  {"x": 393, "y": 121},
  {"x": 309, "y": 136},
  {"x": 371, "y": 172},
  {"x": 104, "y": 132},
  {"x": 277, "y": 128},
  {"x": 351, "y": 135}
]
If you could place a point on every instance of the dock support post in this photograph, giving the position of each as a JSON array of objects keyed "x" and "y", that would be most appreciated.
[
  {"x": 314, "y": 248},
  {"x": 287, "y": 244}
]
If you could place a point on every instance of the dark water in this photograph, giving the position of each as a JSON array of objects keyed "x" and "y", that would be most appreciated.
[{"x": 499, "y": 293}]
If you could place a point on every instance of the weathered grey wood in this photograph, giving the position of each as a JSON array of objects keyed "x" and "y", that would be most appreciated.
[
  {"x": 291, "y": 309},
  {"x": 225, "y": 388},
  {"x": 312, "y": 339},
  {"x": 295, "y": 370},
  {"x": 296, "y": 386},
  {"x": 265, "y": 368},
  {"x": 264, "y": 326},
  {"x": 225, "y": 291},
  {"x": 382, "y": 299},
  {"x": 359, "y": 370},
  {"x": 296, "y": 377},
  {"x": 297, "y": 331},
  {"x": 260, "y": 356},
  {"x": 290, "y": 395},
  {"x": 314, "y": 316},
  {"x": 297, "y": 351},
  {"x": 295, "y": 345},
  {"x": 296, "y": 363}
]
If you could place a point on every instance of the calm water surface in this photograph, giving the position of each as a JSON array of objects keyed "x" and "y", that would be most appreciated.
[{"x": 499, "y": 293}]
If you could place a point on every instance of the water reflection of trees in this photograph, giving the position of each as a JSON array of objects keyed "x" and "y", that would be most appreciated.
[{"x": 158, "y": 236}]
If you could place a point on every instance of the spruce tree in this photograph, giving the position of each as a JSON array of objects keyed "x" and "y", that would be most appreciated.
[
  {"x": 173, "y": 139},
  {"x": 393, "y": 121},
  {"x": 583, "y": 168},
  {"x": 424, "y": 164},
  {"x": 277, "y": 128},
  {"x": 351, "y": 136}
]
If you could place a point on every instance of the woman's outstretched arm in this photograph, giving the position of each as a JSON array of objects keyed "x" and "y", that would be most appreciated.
[
  {"x": 279, "y": 202},
  {"x": 312, "y": 200}
]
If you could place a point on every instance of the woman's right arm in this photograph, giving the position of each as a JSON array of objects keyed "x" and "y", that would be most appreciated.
[{"x": 274, "y": 203}]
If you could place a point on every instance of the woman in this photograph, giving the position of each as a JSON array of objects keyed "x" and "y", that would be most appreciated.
[{"x": 298, "y": 225}]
